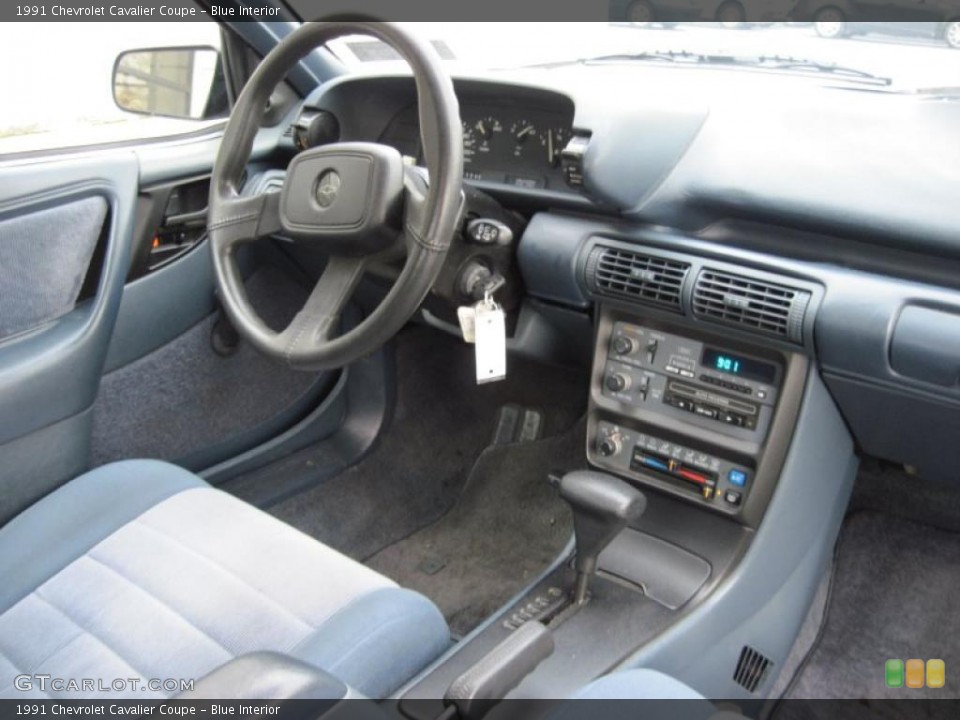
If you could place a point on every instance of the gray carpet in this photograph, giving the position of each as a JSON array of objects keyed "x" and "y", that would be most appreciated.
[
  {"x": 507, "y": 527},
  {"x": 441, "y": 424},
  {"x": 886, "y": 488},
  {"x": 184, "y": 397},
  {"x": 893, "y": 596}
]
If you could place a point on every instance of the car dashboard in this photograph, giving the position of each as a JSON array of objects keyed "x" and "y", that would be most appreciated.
[{"x": 706, "y": 239}]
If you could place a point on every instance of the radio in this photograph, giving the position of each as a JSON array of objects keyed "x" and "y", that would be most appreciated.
[{"x": 700, "y": 384}]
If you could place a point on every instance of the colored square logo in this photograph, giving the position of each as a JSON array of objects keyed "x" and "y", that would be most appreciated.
[
  {"x": 915, "y": 673},
  {"x": 936, "y": 674},
  {"x": 895, "y": 673}
]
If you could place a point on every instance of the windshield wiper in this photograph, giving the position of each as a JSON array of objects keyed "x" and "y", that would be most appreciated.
[
  {"x": 653, "y": 56},
  {"x": 775, "y": 63}
]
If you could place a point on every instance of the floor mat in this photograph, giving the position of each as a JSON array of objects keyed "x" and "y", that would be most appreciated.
[
  {"x": 442, "y": 422},
  {"x": 505, "y": 530},
  {"x": 893, "y": 597},
  {"x": 183, "y": 397}
]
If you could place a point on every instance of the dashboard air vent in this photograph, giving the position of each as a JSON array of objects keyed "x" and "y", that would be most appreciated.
[
  {"x": 754, "y": 305},
  {"x": 751, "y": 669},
  {"x": 636, "y": 276}
]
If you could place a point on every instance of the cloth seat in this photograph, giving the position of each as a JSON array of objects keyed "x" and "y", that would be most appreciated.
[
  {"x": 652, "y": 695},
  {"x": 142, "y": 570}
]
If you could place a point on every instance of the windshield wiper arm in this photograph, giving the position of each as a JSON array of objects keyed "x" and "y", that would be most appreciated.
[
  {"x": 777, "y": 62},
  {"x": 652, "y": 56},
  {"x": 760, "y": 62}
]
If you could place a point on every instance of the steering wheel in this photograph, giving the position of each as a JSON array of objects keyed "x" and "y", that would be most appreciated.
[{"x": 354, "y": 201}]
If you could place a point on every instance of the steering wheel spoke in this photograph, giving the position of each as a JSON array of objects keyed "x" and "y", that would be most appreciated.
[
  {"x": 244, "y": 219},
  {"x": 319, "y": 319}
]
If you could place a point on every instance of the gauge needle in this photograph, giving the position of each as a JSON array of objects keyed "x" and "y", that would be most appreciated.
[
  {"x": 525, "y": 133},
  {"x": 550, "y": 156},
  {"x": 482, "y": 128}
]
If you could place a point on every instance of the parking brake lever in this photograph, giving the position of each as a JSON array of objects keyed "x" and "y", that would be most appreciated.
[{"x": 473, "y": 694}]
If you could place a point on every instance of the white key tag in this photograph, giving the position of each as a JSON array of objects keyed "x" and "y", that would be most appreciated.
[
  {"x": 491, "y": 342},
  {"x": 468, "y": 323}
]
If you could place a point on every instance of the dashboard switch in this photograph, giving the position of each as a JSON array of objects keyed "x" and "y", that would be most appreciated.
[
  {"x": 489, "y": 232},
  {"x": 652, "y": 348},
  {"x": 610, "y": 445},
  {"x": 738, "y": 478},
  {"x": 644, "y": 387},
  {"x": 571, "y": 160}
]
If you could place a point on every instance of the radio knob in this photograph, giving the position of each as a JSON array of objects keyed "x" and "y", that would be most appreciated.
[
  {"x": 617, "y": 382},
  {"x": 624, "y": 345},
  {"x": 610, "y": 445}
]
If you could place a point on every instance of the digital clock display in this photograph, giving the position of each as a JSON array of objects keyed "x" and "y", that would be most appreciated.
[{"x": 731, "y": 364}]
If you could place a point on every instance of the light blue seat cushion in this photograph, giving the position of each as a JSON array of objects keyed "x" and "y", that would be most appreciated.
[{"x": 141, "y": 569}]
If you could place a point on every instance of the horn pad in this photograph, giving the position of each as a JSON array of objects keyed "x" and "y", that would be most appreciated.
[{"x": 345, "y": 197}]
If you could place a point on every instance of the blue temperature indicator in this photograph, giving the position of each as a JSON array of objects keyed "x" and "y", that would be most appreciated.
[{"x": 728, "y": 364}]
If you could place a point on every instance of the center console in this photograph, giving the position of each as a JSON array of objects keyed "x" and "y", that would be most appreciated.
[{"x": 688, "y": 413}]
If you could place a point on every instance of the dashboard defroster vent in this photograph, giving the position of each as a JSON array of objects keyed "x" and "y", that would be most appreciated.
[
  {"x": 751, "y": 669},
  {"x": 635, "y": 276},
  {"x": 752, "y": 304}
]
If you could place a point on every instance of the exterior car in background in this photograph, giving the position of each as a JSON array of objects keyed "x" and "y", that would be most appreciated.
[
  {"x": 832, "y": 25},
  {"x": 733, "y": 12}
]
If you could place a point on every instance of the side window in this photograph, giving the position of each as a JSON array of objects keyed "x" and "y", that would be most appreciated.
[{"x": 91, "y": 83}]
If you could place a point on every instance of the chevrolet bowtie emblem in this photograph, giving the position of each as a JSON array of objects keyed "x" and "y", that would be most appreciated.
[{"x": 328, "y": 187}]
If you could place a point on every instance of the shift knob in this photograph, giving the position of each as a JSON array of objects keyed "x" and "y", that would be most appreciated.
[{"x": 602, "y": 507}]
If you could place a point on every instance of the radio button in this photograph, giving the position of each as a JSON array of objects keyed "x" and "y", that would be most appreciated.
[
  {"x": 706, "y": 412},
  {"x": 687, "y": 374},
  {"x": 680, "y": 403},
  {"x": 733, "y": 419}
]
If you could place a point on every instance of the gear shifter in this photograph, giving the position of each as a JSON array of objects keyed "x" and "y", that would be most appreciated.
[{"x": 602, "y": 507}]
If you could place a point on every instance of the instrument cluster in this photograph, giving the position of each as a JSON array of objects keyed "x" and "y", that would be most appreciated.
[{"x": 515, "y": 144}]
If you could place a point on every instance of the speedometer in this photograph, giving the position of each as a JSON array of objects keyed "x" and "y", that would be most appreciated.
[{"x": 526, "y": 138}]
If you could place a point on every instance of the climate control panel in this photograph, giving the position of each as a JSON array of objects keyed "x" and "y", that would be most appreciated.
[{"x": 712, "y": 479}]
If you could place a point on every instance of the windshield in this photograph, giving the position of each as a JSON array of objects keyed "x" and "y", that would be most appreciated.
[{"x": 907, "y": 55}]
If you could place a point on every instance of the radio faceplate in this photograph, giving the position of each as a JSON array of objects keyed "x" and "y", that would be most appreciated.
[
  {"x": 665, "y": 373},
  {"x": 690, "y": 416}
]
